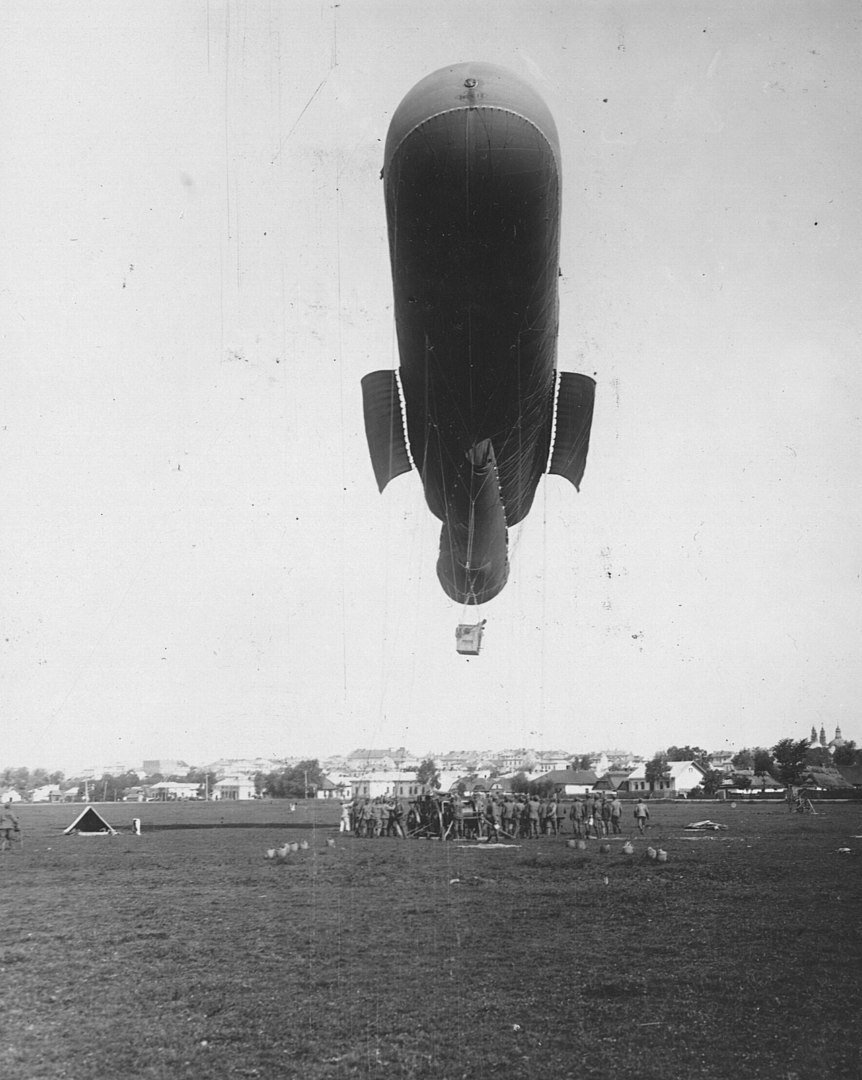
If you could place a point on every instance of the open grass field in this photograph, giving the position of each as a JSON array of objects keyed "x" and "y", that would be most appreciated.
[{"x": 182, "y": 953}]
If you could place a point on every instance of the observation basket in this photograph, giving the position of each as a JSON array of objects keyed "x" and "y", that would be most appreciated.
[{"x": 468, "y": 638}]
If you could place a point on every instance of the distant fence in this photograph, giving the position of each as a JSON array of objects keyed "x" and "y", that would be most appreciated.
[
  {"x": 833, "y": 795},
  {"x": 777, "y": 795},
  {"x": 814, "y": 794}
]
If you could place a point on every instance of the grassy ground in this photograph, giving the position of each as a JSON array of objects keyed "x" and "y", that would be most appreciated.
[{"x": 183, "y": 953}]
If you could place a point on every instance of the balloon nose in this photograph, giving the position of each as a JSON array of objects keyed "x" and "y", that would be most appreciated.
[{"x": 467, "y": 584}]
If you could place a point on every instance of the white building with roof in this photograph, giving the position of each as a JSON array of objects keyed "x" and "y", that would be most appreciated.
[
  {"x": 46, "y": 793},
  {"x": 681, "y": 778},
  {"x": 233, "y": 788},
  {"x": 399, "y": 783},
  {"x": 377, "y": 783},
  {"x": 168, "y": 790},
  {"x": 334, "y": 786}
]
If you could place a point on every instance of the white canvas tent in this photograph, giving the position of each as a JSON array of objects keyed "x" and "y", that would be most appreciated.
[{"x": 90, "y": 823}]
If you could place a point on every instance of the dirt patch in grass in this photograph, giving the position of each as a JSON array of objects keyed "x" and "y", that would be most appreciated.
[{"x": 184, "y": 953}]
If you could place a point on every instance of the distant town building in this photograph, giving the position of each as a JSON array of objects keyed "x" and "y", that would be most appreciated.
[
  {"x": 517, "y": 760},
  {"x": 165, "y": 767},
  {"x": 399, "y": 783},
  {"x": 139, "y": 793},
  {"x": 169, "y": 790},
  {"x": 234, "y": 788},
  {"x": 681, "y": 778},
  {"x": 117, "y": 768},
  {"x": 46, "y": 793},
  {"x": 334, "y": 788},
  {"x": 824, "y": 778},
  {"x": 477, "y": 782},
  {"x": 529, "y": 760},
  {"x": 463, "y": 761},
  {"x": 722, "y": 761},
  {"x": 600, "y": 763},
  {"x": 225, "y": 768},
  {"x": 550, "y": 760},
  {"x": 620, "y": 760},
  {"x": 818, "y": 741},
  {"x": 613, "y": 780},
  {"x": 381, "y": 782},
  {"x": 747, "y": 782},
  {"x": 570, "y": 781},
  {"x": 364, "y": 760}
]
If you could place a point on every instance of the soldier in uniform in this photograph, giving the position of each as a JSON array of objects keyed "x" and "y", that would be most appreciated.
[
  {"x": 606, "y": 815},
  {"x": 641, "y": 813},
  {"x": 492, "y": 818},
  {"x": 576, "y": 818},
  {"x": 458, "y": 816},
  {"x": 8, "y": 826},
  {"x": 549, "y": 816},
  {"x": 394, "y": 826},
  {"x": 560, "y": 811},
  {"x": 534, "y": 814},
  {"x": 616, "y": 815},
  {"x": 509, "y": 814},
  {"x": 359, "y": 817}
]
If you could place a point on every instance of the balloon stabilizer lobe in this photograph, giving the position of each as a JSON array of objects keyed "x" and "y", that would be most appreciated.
[{"x": 472, "y": 185}]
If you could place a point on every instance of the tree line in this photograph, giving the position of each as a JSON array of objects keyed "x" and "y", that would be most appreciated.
[{"x": 22, "y": 779}]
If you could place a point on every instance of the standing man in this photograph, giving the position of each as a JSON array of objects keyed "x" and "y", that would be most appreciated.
[
  {"x": 458, "y": 816},
  {"x": 561, "y": 815},
  {"x": 641, "y": 814},
  {"x": 359, "y": 817},
  {"x": 535, "y": 815},
  {"x": 522, "y": 810},
  {"x": 549, "y": 815},
  {"x": 8, "y": 826},
  {"x": 479, "y": 803},
  {"x": 394, "y": 825},
  {"x": 596, "y": 816},
  {"x": 492, "y": 818},
  {"x": 576, "y": 814},
  {"x": 376, "y": 819},
  {"x": 607, "y": 815},
  {"x": 616, "y": 815},
  {"x": 507, "y": 814}
]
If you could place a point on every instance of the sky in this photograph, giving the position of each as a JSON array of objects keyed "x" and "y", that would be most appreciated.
[{"x": 194, "y": 558}]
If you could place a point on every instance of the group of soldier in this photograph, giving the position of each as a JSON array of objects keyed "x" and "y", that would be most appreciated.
[{"x": 487, "y": 817}]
